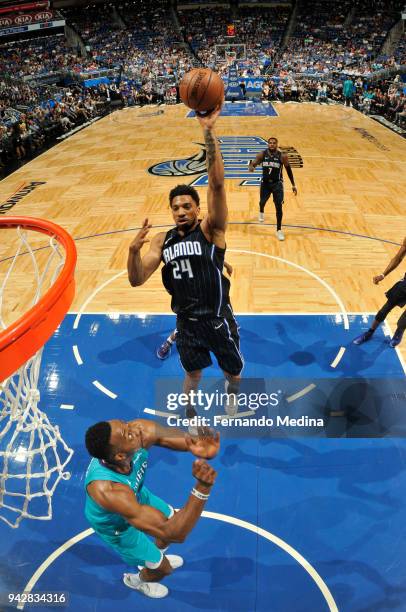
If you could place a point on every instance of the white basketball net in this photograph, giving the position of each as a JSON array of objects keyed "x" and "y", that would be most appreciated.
[{"x": 33, "y": 454}]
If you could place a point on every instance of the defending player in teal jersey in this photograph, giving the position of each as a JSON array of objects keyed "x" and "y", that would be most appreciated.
[{"x": 123, "y": 512}]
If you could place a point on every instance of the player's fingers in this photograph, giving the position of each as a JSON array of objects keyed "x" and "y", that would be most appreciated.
[
  {"x": 211, "y": 476},
  {"x": 203, "y": 470}
]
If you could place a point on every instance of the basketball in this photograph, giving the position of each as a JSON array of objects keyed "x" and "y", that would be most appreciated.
[{"x": 201, "y": 89}]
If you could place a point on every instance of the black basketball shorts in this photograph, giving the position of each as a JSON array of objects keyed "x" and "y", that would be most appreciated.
[
  {"x": 397, "y": 294},
  {"x": 276, "y": 189},
  {"x": 196, "y": 339}
]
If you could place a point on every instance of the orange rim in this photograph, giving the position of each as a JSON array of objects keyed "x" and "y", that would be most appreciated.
[{"x": 23, "y": 338}]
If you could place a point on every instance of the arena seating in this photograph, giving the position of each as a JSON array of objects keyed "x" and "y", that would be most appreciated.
[{"x": 151, "y": 45}]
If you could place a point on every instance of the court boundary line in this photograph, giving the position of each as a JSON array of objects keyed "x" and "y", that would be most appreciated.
[
  {"x": 253, "y": 223},
  {"x": 378, "y": 122},
  {"x": 225, "y": 518},
  {"x": 142, "y": 313},
  {"x": 303, "y": 269}
]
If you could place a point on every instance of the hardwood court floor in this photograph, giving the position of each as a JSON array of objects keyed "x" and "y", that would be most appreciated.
[{"x": 353, "y": 181}]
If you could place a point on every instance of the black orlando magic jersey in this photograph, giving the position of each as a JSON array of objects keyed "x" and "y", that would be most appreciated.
[
  {"x": 272, "y": 167},
  {"x": 193, "y": 274}
]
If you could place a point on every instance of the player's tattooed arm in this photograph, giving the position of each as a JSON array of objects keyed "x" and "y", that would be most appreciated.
[
  {"x": 392, "y": 264},
  {"x": 210, "y": 148},
  {"x": 215, "y": 223}
]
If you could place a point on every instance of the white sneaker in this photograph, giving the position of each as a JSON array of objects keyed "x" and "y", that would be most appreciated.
[
  {"x": 150, "y": 589},
  {"x": 261, "y": 217},
  {"x": 280, "y": 234}
]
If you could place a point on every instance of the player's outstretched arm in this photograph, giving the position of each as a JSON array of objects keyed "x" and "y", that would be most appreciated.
[
  {"x": 122, "y": 500},
  {"x": 139, "y": 270},
  {"x": 217, "y": 211},
  {"x": 205, "y": 445},
  {"x": 392, "y": 264}
]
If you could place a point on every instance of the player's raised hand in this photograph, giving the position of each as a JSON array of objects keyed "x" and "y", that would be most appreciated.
[
  {"x": 141, "y": 237},
  {"x": 378, "y": 279},
  {"x": 205, "y": 445},
  {"x": 208, "y": 120},
  {"x": 204, "y": 473}
]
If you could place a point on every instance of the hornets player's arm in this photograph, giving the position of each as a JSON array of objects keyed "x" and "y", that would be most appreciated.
[
  {"x": 215, "y": 222},
  {"x": 139, "y": 270},
  {"x": 285, "y": 161},
  {"x": 257, "y": 161},
  {"x": 120, "y": 499},
  {"x": 393, "y": 264},
  {"x": 205, "y": 446}
]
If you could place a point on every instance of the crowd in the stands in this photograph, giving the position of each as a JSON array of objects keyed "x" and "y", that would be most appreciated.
[
  {"x": 332, "y": 36},
  {"x": 150, "y": 44},
  {"x": 385, "y": 98}
]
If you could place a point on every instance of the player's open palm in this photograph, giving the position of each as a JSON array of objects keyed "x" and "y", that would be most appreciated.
[
  {"x": 206, "y": 445},
  {"x": 141, "y": 237}
]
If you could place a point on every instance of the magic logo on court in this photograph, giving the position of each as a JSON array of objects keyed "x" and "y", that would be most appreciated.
[{"x": 237, "y": 151}]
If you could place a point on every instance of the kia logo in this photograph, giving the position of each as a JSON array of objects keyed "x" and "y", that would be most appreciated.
[
  {"x": 5, "y": 21},
  {"x": 43, "y": 16},
  {"x": 20, "y": 19}
]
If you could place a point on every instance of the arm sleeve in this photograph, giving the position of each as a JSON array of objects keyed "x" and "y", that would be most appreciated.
[{"x": 290, "y": 174}]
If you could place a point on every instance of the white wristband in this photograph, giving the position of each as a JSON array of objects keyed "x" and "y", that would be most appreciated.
[{"x": 199, "y": 495}]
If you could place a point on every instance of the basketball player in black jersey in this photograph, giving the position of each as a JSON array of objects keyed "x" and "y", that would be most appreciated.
[
  {"x": 192, "y": 254},
  {"x": 164, "y": 350},
  {"x": 273, "y": 160},
  {"x": 396, "y": 297}
]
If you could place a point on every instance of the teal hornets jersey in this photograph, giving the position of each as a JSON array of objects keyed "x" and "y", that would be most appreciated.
[{"x": 103, "y": 521}]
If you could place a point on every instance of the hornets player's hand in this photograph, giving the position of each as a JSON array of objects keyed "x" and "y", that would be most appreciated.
[
  {"x": 204, "y": 473},
  {"x": 141, "y": 237},
  {"x": 206, "y": 445}
]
